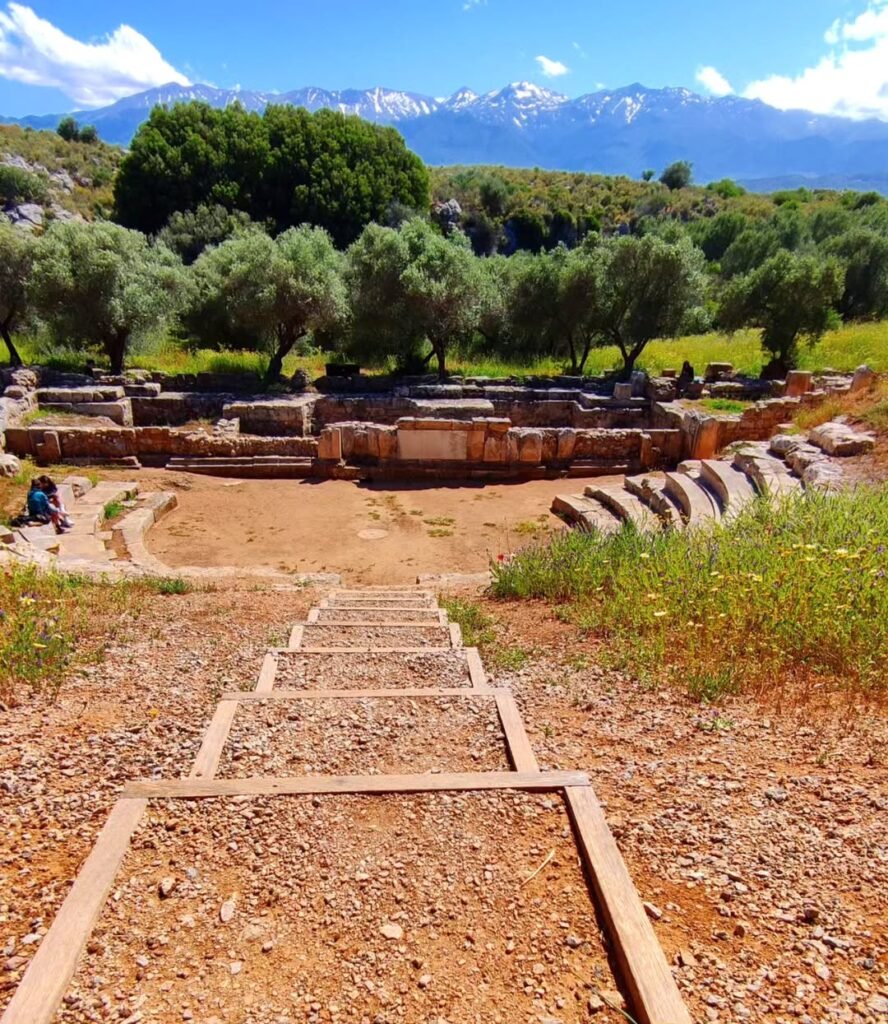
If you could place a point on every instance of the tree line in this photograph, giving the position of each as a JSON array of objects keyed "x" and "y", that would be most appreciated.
[{"x": 270, "y": 231}]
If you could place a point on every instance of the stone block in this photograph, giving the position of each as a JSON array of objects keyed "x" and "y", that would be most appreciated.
[
  {"x": 718, "y": 371},
  {"x": 567, "y": 440},
  {"x": 148, "y": 390},
  {"x": 496, "y": 424},
  {"x": 840, "y": 440},
  {"x": 512, "y": 447},
  {"x": 9, "y": 465},
  {"x": 864, "y": 378},
  {"x": 671, "y": 373},
  {"x": 530, "y": 447},
  {"x": 495, "y": 448},
  {"x": 119, "y": 411},
  {"x": 330, "y": 444},
  {"x": 432, "y": 445},
  {"x": 387, "y": 440},
  {"x": 475, "y": 444},
  {"x": 798, "y": 382},
  {"x": 622, "y": 391},
  {"x": 49, "y": 449}
]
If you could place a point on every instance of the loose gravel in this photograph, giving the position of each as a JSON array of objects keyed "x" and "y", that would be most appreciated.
[
  {"x": 420, "y": 908},
  {"x": 370, "y": 736},
  {"x": 371, "y": 670},
  {"x": 420, "y": 615},
  {"x": 375, "y": 636}
]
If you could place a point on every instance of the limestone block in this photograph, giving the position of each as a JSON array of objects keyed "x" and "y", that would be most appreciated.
[
  {"x": 387, "y": 439},
  {"x": 718, "y": 371},
  {"x": 512, "y": 447},
  {"x": 430, "y": 423},
  {"x": 622, "y": 391},
  {"x": 798, "y": 382},
  {"x": 864, "y": 377},
  {"x": 840, "y": 440},
  {"x": 497, "y": 425},
  {"x": 530, "y": 447},
  {"x": 49, "y": 449},
  {"x": 147, "y": 390},
  {"x": 372, "y": 442},
  {"x": 120, "y": 411},
  {"x": 330, "y": 444},
  {"x": 567, "y": 440},
  {"x": 9, "y": 465},
  {"x": 703, "y": 437},
  {"x": 432, "y": 445},
  {"x": 495, "y": 448},
  {"x": 475, "y": 444}
]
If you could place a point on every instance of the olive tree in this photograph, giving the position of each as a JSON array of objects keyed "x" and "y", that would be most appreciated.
[
  {"x": 647, "y": 287},
  {"x": 413, "y": 286},
  {"x": 270, "y": 292},
  {"x": 104, "y": 283},
  {"x": 790, "y": 297},
  {"x": 16, "y": 267}
]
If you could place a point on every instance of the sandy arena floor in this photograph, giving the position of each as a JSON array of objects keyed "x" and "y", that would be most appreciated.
[{"x": 371, "y": 534}]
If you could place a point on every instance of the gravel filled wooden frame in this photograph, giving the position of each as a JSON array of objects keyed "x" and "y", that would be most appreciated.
[{"x": 651, "y": 988}]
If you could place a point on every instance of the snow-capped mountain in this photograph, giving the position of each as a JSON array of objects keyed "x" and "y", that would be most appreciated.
[{"x": 613, "y": 131}]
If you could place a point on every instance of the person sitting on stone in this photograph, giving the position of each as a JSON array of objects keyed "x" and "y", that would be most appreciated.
[
  {"x": 40, "y": 510},
  {"x": 49, "y": 488},
  {"x": 685, "y": 378}
]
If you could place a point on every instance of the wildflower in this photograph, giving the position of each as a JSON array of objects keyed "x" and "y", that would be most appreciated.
[
  {"x": 40, "y": 647},
  {"x": 644, "y": 554},
  {"x": 659, "y": 615},
  {"x": 841, "y": 552}
]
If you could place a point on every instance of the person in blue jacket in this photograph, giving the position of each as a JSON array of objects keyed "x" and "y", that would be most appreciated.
[{"x": 40, "y": 510}]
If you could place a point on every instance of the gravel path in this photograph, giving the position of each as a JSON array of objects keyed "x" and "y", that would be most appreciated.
[
  {"x": 337, "y": 909},
  {"x": 375, "y": 636},
  {"x": 368, "y": 670},
  {"x": 370, "y": 736}
]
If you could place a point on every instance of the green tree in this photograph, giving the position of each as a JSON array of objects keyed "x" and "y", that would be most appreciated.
[
  {"x": 864, "y": 255},
  {"x": 790, "y": 297},
  {"x": 647, "y": 288},
  {"x": 749, "y": 250},
  {"x": 88, "y": 133},
  {"x": 272, "y": 292},
  {"x": 677, "y": 175},
  {"x": 101, "y": 282},
  {"x": 494, "y": 195},
  {"x": 716, "y": 234},
  {"x": 16, "y": 267},
  {"x": 413, "y": 286},
  {"x": 285, "y": 167},
  {"x": 68, "y": 129},
  {"x": 648, "y": 175},
  {"x": 192, "y": 231}
]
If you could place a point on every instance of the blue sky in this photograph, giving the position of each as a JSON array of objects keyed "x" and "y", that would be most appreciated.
[{"x": 819, "y": 54}]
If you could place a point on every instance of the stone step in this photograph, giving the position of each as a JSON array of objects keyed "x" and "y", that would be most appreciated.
[
  {"x": 44, "y": 538},
  {"x": 627, "y": 506},
  {"x": 82, "y": 548},
  {"x": 732, "y": 486},
  {"x": 107, "y": 490},
  {"x": 393, "y": 606},
  {"x": 386, "y": 593},
  {"x": 584, "y": 513},
  {"x": 256, "y": 466},
  {"x": 594, "y": 467},
  {"x": 651, "y": 490},
  {"x": 698, "y": 506},
  {"x": 385, "y": 615},
  {"x": 769, "y": 475}
]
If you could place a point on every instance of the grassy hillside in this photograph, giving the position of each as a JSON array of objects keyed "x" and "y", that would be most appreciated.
[{"x": 92, "y": 167}]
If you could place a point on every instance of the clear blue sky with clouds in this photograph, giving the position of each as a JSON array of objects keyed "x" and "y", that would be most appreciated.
[{"x": 824, "y": 55}]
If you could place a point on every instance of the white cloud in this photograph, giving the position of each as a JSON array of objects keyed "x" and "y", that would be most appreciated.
[
  {"x": 851, "y": 80},
  {"x": 551, "y": 68},
  {"x": 34, "y": 51},
  {"x": 471, "y": 4},
  {"x": 714, "y": 81}
]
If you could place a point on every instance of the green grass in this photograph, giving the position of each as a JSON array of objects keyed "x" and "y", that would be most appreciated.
[
  {"x": 476, "y": 625},
  {"x": 724, "y": 405},
  {"x": 167, "y": 585},
  {"x": 788, "y": 594},
  {"x": 113, "y": 510},
  {"x": 842, "y": 350}
]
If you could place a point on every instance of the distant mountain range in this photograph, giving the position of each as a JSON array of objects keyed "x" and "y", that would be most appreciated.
[{"x": 619, "y": 131}]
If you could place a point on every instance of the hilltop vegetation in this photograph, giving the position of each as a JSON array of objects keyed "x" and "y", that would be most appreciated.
[
  {"x": 291, "y": 231},
  {"x": 91, "y": 165}
]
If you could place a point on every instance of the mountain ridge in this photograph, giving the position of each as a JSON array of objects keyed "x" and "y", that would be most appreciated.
[{"x": 611, "y": 131}]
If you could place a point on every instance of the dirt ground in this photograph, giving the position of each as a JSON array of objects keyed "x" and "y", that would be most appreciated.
[{"x": 371, "y": 534}]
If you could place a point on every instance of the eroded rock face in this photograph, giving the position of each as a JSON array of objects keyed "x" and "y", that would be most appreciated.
[
  {"x": 837, "y": 438},
  {"x": 864, "y": 378}
]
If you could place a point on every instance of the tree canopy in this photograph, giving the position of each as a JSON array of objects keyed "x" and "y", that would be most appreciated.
[
  {"x": 16, "y": 266},
  {"x": 283, "y": 168},
  {"x": 101, "y": 282}
]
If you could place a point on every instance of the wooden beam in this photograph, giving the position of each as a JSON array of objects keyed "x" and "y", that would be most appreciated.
[
  {"x": 247, "y": 696},
  {"x": 266, "y": 673},
  {"x": 312, "y": 617},
  {"x": 190, "y": 789},
  {"x": 476, "y": 669},
  {"x": 369, "y": 650},
  {"x": 207, "y": 760},
  {"x": 296, "y": 637},
  {"x": 652, "y": 989},
  {"x": 394, "y": 624},
  {"x": 455, "y": 635},
  {"x": 46, "y": 980},
  {"x": 520, "y": 751}
]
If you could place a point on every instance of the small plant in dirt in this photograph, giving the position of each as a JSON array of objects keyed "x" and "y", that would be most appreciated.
[
  {"x": 790, "y": 594},
  {"x": 476, "y": 625},
  {"x": 509, "y": 659},
  {"x": 168, "y": 585},
  {"x": 113, "y": 510},
  {"x": 724, "y": 405}
]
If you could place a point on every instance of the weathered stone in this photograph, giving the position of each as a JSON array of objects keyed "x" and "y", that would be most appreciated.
[
  {"x": 864, "y": 378},
  {"x": 622, "y": 391},
  {"x": 530, "y": 447},
  {"x": 475, "y": 439},
  {"x": 9, "y": 465},
  {"x": 841, "y": 440},
  {"x": 330, "y": 444},
  {"x": 432, "y": 445},
  {"x": 495, "y": 448},
  {"x": 388, "y": 442},
  {"x": 567, "y": 440},
  {"x": 718, "y": 371},
  {"x": 798, "y": 382}
]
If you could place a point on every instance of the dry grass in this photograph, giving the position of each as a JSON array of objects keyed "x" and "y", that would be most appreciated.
[{"x": 869, "y": 407}]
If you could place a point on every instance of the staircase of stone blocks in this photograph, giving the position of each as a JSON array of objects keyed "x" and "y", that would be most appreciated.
[
  {"x": 366, "y": 647},
  {"x": 699, "y": 492}
]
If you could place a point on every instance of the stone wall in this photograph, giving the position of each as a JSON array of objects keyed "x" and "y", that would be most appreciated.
[{"x": 151, "y": 444}]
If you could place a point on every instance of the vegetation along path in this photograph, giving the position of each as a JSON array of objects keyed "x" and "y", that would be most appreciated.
[{"x": 362, "y": 834}]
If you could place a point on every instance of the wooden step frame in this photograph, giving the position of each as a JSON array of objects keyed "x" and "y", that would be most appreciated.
[{"x": 652, "y": 991}]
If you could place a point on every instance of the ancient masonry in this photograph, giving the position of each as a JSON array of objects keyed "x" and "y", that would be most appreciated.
[{"x": 378, "y": 625}]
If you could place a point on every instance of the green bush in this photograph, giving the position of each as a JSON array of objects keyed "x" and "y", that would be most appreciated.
[
  {"x": 20, "y": 186},
  {"x": 795, "y": 591}
]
